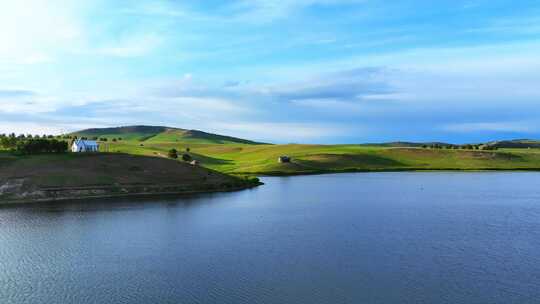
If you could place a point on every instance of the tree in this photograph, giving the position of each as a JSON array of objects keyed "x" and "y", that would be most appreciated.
[
  {"x": 188, "y": 149},
  {"x": 173, "y": 153},
  {"x": 186, "y": 157},
  {"x": 40, "y": 145},
  {"x": 8, "y": 142}
]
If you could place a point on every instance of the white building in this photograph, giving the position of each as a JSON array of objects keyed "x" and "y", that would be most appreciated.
[{"x": 80, "y": 145}]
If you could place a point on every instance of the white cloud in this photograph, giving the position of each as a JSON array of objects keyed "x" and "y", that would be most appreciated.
[
  {"x": 33, "y": 30},
  {"x": 280, "y": 132},
  {"x": 197, "y": 106},
  {"x": 81, "y": 56},
  {"x": 270, "y": 10},
  {"x": 133, "y": 46},
  {"x": 31, "y": 128},
  {"x": 28, "y": 103}
]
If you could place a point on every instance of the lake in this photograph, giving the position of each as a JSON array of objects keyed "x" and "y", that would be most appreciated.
[{"x": 344, "y": 238}]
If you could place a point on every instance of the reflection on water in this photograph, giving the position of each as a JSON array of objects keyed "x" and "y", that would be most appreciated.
[{"x": 347, "y": 238}]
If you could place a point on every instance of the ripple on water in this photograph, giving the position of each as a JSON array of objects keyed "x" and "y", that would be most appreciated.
[{"x": 352, "y": 238}]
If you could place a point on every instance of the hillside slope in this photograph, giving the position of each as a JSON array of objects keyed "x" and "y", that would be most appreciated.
[
  {"x": 68, "y": 176},
  {"x": 306, "y": 159},
  {"x": 343, "y": 158},
  {"x": 161, "y": 134},
  {"x": 516, "y": 144}
]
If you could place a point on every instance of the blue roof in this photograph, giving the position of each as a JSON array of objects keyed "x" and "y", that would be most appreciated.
[{"x": 86, "y": 142}]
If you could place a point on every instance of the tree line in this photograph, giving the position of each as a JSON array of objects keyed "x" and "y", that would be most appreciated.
[
  {"x": 96, "y": 138},
  {"x": 28, "y": 144},
  {"x": 464, "y": 147}
]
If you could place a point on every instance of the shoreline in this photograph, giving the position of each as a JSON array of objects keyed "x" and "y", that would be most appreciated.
[
  {"x": 321, "y": 172},
  {"x": 60, "y": 193},
  {"x": 121, "y": 195}
]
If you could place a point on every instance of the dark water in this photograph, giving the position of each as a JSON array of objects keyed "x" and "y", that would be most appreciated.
[{"x": 350, "y": 238}]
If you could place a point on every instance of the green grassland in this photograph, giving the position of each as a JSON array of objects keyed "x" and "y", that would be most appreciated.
[
  {"x": 239, "y": 156},
  {"x": 307, "y": 159}
]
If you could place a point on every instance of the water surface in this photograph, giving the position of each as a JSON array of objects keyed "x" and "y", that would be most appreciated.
[{"x": 347, "y": 238}]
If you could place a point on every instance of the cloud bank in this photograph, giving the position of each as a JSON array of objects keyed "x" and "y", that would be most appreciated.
[{"x": 282, "y": 71}]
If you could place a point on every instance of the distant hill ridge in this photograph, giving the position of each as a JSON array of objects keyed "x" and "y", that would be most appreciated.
[
  {"x": 514, "y": 143},
  {"x": 161, "y": 134},
  {"x": 124, "y": 130},
  {"x": 408, "y": 144}
]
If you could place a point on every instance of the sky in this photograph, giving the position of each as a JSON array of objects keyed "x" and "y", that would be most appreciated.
[{"x": 282, "y": 71}]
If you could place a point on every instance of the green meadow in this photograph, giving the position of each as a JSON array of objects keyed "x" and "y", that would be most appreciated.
[
  {"x": 243, "y": 157},
  {"x": 238, "y": 156}
]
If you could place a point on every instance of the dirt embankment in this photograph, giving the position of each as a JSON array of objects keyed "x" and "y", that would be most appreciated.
[{"x": 77, "y": 176}]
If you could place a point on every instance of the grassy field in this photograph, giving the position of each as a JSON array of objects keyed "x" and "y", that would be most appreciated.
[
  {"x": 240, "y": 156},
  {"x": 306, "y": 159}
]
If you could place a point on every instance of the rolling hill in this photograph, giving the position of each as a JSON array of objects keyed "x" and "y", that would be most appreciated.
[
  {"x": 516, "y": 144},
  {"x": 161, "y": 134},
  {"x": 239, "y": 156}
]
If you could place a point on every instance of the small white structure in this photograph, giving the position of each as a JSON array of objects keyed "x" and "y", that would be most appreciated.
[{"x": 80, "y": 145}]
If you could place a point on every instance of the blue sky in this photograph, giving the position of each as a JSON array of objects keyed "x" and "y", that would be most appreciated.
[{"x": 314, "y": 71}]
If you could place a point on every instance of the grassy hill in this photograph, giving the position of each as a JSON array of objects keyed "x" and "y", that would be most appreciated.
[
  {"x": 72, "y": 175},
  {"x": 516, "y": 144},
  {"x": 306, "y": 159},
  {"x": 159, "y": 134},
  {"x": 238, "y": 156}
]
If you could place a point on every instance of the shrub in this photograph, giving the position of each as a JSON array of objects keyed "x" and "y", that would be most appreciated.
[
  {"x": 173, "y": 153},
  {"x": 8, "y": 142},
  {"x": 186, "y": 157}
]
